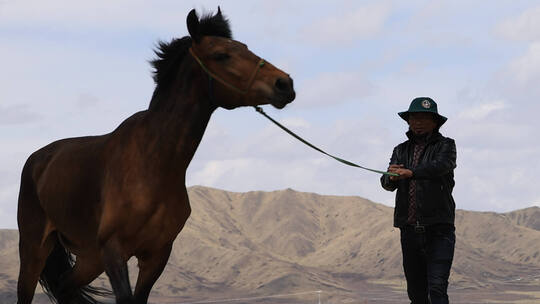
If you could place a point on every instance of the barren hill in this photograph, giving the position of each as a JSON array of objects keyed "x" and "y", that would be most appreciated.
[
  {"x": 262, "y": 243},
  {"x": 529, "y": 218}
]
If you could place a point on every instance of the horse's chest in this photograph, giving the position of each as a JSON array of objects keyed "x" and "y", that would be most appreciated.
[{"x": 163, "y": 226}]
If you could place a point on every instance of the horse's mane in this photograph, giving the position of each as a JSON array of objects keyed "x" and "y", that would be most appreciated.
[{"x": 170, "y": 55}]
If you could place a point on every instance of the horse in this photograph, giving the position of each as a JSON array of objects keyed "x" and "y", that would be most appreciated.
[{"x": 88, "y": 204}]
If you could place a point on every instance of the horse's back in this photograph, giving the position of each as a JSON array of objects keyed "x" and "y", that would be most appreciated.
[
  {"x": 39, "y": 161},
  {"x": 65, "y": 159}
]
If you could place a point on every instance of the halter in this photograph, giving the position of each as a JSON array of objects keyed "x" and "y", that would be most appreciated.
[{"x": 211, "y": 76}]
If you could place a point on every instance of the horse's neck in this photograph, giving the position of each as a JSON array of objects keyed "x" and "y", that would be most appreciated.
[{"x": 180, "y": 129}]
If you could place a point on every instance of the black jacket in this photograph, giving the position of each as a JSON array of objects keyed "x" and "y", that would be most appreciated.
[{"x": 435, "y": 181}]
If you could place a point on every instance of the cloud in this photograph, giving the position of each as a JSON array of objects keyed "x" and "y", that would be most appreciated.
[
  {"x": 296, "y": 122},
  {"x": 495, "y": 154},
  {"x": 349, "y": 26},
  {"x": 525, "y": 70},
  {"x": 17, "y": 114},
  {"x": 479, "y": 182},
  {"x": 8, "y": 205},
  {"x": 481, "y": 111},
  {"x": 524, "y": 27},
  {"x": 139, "y": 16},
  {"x": 245, "y": 174},
  {"x": 517, "y": 84},
  {"x": 333, "y": 88},
  {"x": 8, "y": 219},
  {"x": 80, "y": 14},
  {"x": 86, "y": 100}
]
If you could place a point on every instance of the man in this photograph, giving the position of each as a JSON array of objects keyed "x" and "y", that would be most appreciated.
[{"x": 425, "y": 209}]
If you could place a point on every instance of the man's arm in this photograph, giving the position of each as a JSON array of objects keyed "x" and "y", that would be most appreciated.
[
  {"x": 443, "y": 162},
  {"x": 386, "y": 182}
]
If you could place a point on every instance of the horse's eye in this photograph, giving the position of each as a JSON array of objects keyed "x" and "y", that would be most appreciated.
[{"x": 221, "y": 56}]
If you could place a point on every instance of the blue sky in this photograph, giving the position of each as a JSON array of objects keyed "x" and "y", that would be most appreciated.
[{"x": 71, "y": 68}]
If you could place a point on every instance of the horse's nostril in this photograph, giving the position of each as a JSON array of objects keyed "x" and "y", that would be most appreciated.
[{"x": 284, "y": 84}]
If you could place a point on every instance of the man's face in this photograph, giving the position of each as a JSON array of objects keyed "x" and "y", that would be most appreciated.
[{"x": 422, "y": 123}]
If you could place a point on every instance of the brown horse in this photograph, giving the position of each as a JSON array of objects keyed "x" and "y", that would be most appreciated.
[{"x": 107, "y": 198}]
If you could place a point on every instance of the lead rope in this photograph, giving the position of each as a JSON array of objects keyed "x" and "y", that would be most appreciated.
[{"x": 346, "y": 162}]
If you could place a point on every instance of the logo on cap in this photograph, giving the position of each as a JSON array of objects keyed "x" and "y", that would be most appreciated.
[{"x": 426, "y": 104}]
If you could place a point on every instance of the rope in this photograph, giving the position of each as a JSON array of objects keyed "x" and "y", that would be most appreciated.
[{"x": 346, "y": 162}]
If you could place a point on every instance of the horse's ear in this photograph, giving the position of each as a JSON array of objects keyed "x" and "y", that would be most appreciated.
[
  {"x": 218, "y": 11},
  {"x": 193, "y": 25}
]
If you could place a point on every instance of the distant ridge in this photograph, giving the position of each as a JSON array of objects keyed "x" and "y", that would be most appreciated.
[
  {"x": 285, "y": 241},
  {"x": 528, "y": 217}
]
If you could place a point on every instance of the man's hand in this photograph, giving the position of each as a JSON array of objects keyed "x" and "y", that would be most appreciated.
[
  {"x": 393, "y": 169},
  {"x": 399, "y": 169}
]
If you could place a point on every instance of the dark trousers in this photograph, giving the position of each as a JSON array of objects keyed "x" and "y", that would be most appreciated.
[{"x": 427, "y": 259}]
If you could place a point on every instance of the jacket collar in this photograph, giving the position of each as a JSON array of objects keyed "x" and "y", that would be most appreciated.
[{"x": 433, "y": 137}]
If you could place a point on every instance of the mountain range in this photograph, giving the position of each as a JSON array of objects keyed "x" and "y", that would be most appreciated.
[{"x": 283, "y": 246}]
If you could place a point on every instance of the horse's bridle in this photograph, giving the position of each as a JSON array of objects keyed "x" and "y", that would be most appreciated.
[{"x": 211, "y": 75}]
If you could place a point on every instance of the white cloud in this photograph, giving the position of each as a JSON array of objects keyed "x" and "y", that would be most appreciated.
[
  {"x": 478, "y": 181},
  {"x": 8, "y": 219},
  {"x": 481, "y": 111},
  {"x": 350, "y": 26},
  {"x": 164, "y": 16},
  {"x": 525, "y": 27},
  {"x": 68, "y": 15},
  {"x": 244, "y": 174},
  {"x": 8, "y": 206},
  {"x": 17, "y": 114},
  {"x": 296, "y": 122},
  {"x": 517, "y": 83},
  {"x": 331, "y": 89},
  {"x": 87, "y": 100},
  {"x": 525, "y": 70}
]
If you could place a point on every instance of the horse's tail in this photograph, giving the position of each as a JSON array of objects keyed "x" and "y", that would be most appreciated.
[{"x": 59, "y": 262}]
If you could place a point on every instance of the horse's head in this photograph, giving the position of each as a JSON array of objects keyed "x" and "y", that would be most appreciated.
[{"x": 237, "y": 76}]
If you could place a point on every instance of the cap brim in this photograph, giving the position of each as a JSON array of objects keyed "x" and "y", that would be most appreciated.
[
  {"x": 440, "y": 119},
  {"x": 404, "y": 115}
]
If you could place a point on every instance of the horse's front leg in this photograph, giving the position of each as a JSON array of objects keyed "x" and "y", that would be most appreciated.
[
  {"x": 151, "y": 266},
  {"x": 116, "y": 269}
]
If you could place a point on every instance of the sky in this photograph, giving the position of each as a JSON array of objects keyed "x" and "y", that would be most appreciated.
[{"x": 76, "y": 68}]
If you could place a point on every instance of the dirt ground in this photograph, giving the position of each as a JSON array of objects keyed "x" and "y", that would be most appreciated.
[
  {"x": 516, "y": 292},
  {"x": 379, "y": 294}
]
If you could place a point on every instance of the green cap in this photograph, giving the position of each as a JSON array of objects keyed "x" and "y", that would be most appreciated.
[{"x": 423, "y": 104}]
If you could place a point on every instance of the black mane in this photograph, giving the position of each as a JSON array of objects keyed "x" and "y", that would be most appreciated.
[{"x": 170, "y": 55}]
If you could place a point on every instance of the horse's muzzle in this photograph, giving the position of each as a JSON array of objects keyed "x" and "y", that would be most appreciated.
[{"x": 284, "y": 92}]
